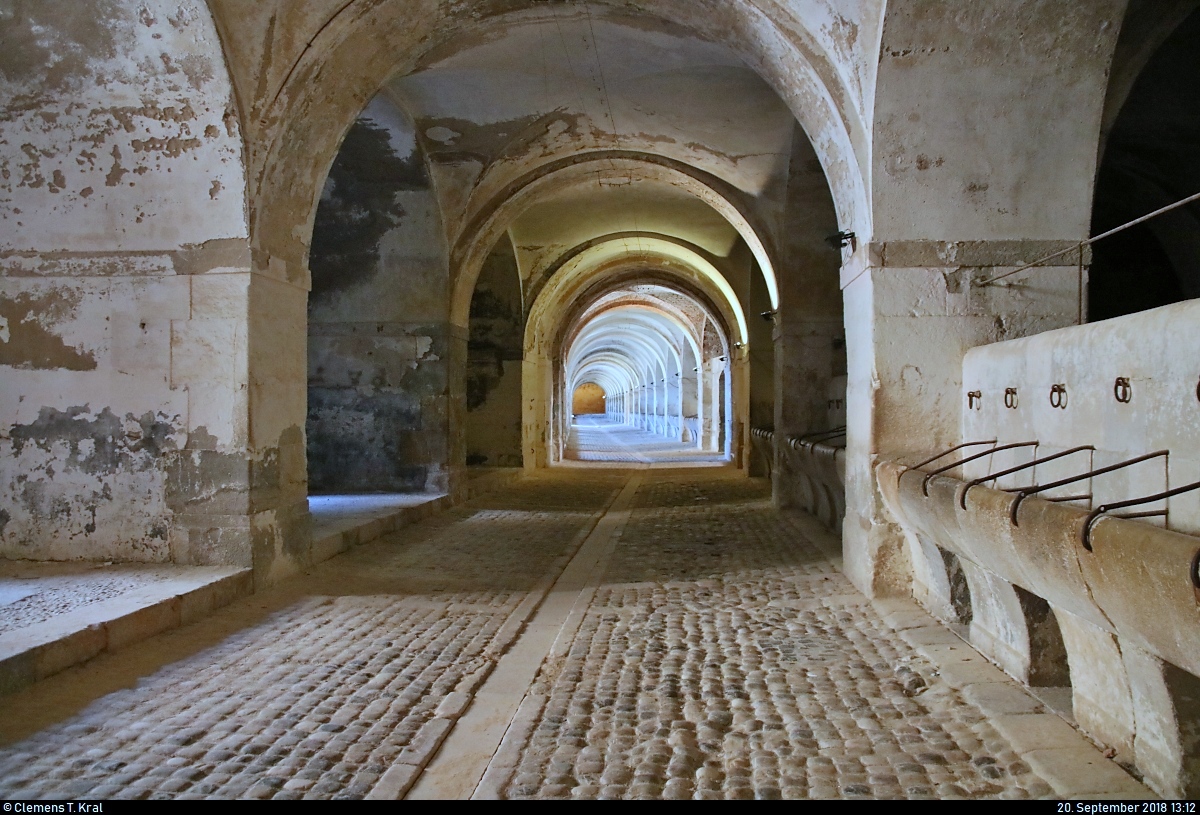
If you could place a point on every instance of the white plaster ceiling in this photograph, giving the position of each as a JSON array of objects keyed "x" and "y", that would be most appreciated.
[
  {"x": 601, "y": 82},
  {"x": 572, "y": 217}
]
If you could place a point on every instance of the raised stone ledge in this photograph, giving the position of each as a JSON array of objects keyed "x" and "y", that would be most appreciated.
[
  {"x": 1127, "y": 609},
  {"x": 34, "y": 652}
]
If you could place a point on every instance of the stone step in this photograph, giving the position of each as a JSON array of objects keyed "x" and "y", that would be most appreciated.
[
  {"x": 132, "y": 602},
  {"x": 153, "y": 604}
]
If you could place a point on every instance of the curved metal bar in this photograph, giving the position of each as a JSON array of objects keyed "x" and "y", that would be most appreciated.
[
  {"x": 962, "y": 501},
  {"x": 925, "y": 483},
  {"x": 822, "y": 433},
  {"x": 1025, "y": 493},
  {"x": 1086, "y": 535},
  {"x": 811, "y": 443},
  {"x": 952, "y": 450}
]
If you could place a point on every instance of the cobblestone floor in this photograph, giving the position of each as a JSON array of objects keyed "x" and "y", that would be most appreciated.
[
  {"x": 724, "y": 657},
  {"x": 317, "y": 699}
]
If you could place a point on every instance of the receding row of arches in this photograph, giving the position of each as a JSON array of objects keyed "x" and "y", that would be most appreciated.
[{"x": 529, "y": 271}]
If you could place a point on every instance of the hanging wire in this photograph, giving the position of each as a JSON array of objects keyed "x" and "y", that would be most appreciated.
[{"x": 1184, "y": 202}]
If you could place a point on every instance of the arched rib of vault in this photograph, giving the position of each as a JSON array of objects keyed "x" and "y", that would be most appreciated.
[
  {"x": 492, "y": 220},
  {"x": 591, "y": 334},
  {"x": 847, "y": 77},
  {"x": 611, "y": 371},
  {"x": 636, "y": 303},
  {"x": 625, "y": 377},
  {"x": 650, "y": 346},
  {"x": 299, "y": 103},
  {"x": 575, "y": 290},
  {"x": 602, "y": 262},
  {"x": 624, "y": 299},
  {"x": 612, "y": 330},
  {"x": 649, "y": 340},
  {"x": 534, "y": 286}
]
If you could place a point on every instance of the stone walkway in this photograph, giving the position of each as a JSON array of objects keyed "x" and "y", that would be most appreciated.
[
  {"x": 704, "y": 646},
  {"x": 595, "y": 440}
]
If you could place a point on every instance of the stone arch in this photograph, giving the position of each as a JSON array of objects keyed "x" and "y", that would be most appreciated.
[
  {"x": 377, "y": 343},
  {"x": 642, "y": 328},
  {"x": 571, "y": 292},
  {"x": 329, "y": 75},
  {"x": 493, "y": 218}
]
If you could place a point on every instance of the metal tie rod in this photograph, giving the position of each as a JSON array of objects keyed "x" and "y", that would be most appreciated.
[
  {"x": 1025, "y": 493},
  {"x": 962, "y": 501},
  {"x": 1090, "y": 241},
  {"x": 939, "y": 471},
  {"x": 822, "y": 433},
  {"x": 1086, "y": 535}
]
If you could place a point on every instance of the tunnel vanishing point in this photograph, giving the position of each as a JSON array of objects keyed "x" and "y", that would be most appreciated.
[{"x": 595, "y": 399}]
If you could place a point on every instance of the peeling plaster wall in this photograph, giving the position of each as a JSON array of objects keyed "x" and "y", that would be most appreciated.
[
  {"x": 494, "y": 352},
  {"x": 124, "y": 288},
  {"x": 304, "y": 71},
  {"x": 378, "y": 347}
]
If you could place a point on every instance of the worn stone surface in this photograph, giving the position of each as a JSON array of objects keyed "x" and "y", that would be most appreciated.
[
  {"x": 721, "y": 655},
  {"x": 725, "y": 657},
  {"x": 311, "y": 691}
]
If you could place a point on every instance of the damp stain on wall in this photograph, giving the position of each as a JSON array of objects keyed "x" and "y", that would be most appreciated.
[
  {"x": 102, "y": 445},
  {"x": 90, "y": 475},
  {"x": 358, "y": 207},
  {"x": 26, "y": 338}
]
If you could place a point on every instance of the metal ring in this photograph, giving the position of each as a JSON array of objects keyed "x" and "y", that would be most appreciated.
[
  {"x": 1122, "y": 390},
  {"x": 1058, "y": 396}
]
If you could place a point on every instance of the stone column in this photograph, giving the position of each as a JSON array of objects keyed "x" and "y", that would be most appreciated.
[{"x": 912, "y": 310}]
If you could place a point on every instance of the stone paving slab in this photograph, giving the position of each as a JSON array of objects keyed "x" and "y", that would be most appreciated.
[
  {"x": 597, "y": 442},
  {"x": 55, "y": 615},
  {"x": 340, "y": 522},
  {"x": 716, "y": 652}
]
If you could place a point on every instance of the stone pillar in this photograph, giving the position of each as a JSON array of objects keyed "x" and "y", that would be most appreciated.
[
  {"x": 240, "y": 488},
  {"x": 280, "y": 529},
  {"x": 912, "y": 310},
  {"x": 714, "y": 407},
  {"x": 537, "y": 400}
]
